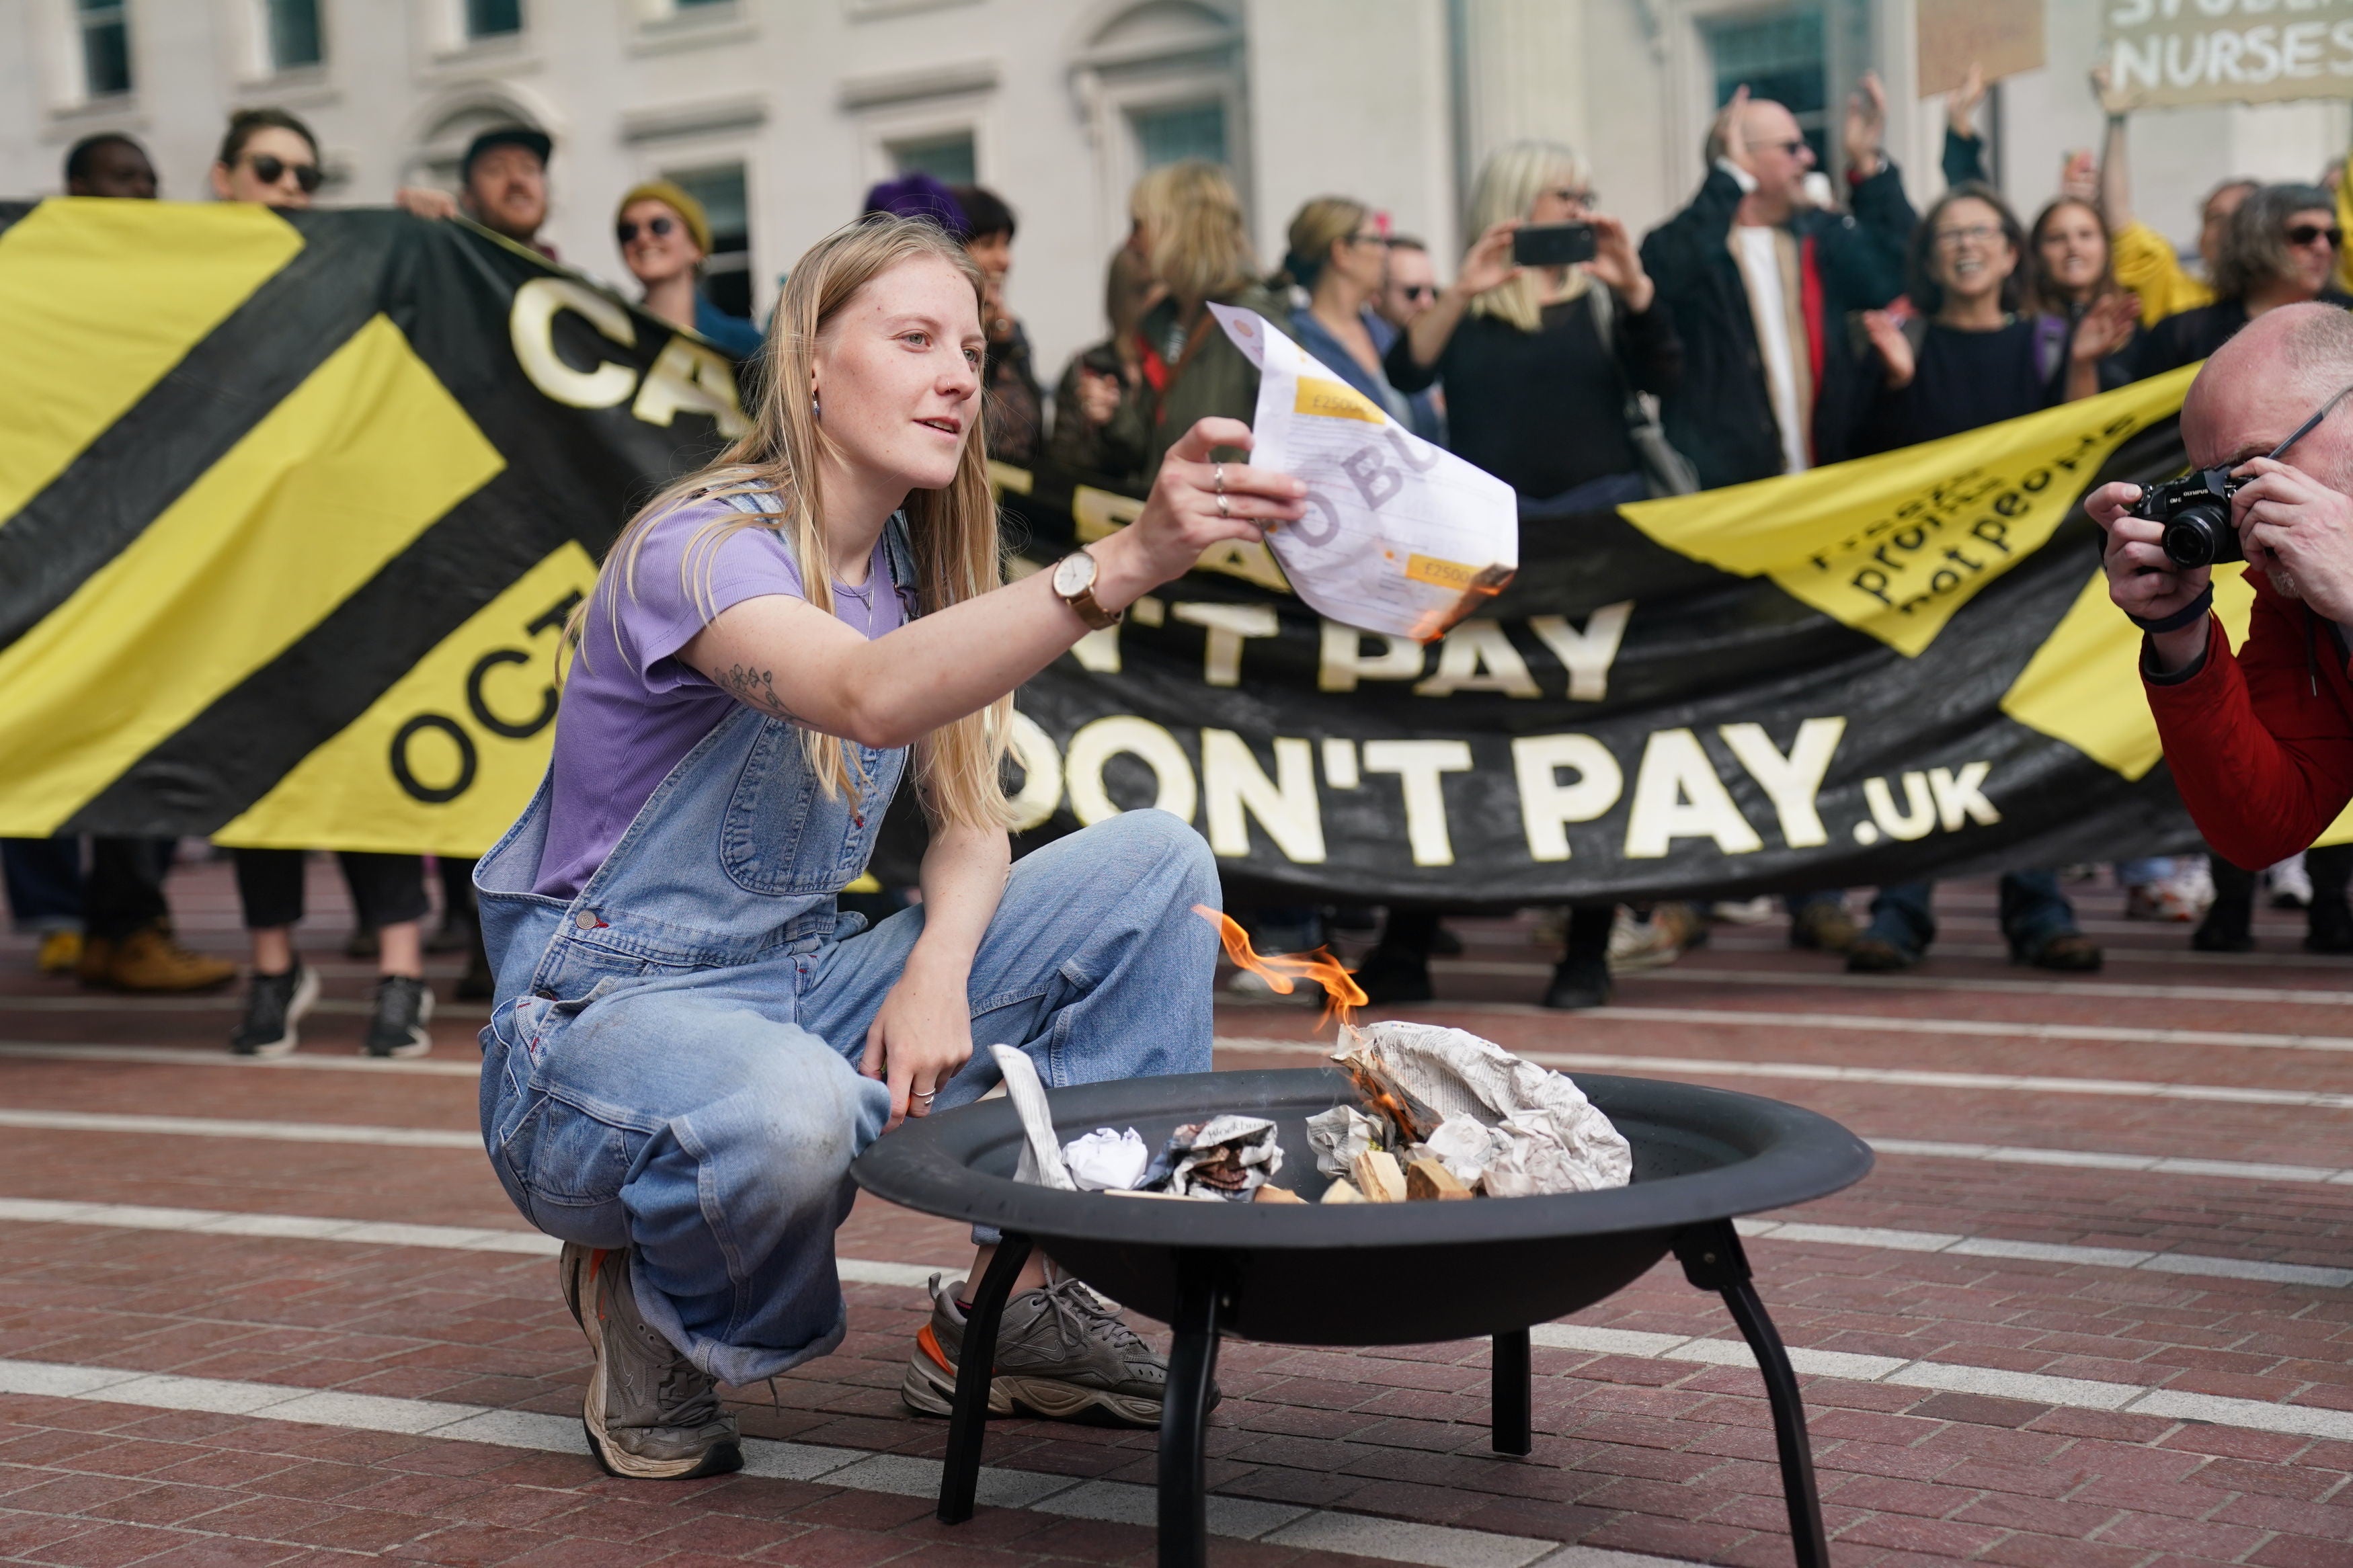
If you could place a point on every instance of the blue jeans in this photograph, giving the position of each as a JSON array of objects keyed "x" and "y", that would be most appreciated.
[
  {"x": 2034, "y": 911},
  {"x": 2142, "y": 872},
  {"x": 708, "y": 1118},
  {"x": 44, "y": 881}
]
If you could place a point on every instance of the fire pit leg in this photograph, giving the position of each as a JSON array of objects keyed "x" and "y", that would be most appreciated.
[
  {"x": 1185, "y": 1410},
  {"x": 1511, "y": 1418},
  {"x": 1713, "y": 1261},
  {"x": 976, "y": 1369}
]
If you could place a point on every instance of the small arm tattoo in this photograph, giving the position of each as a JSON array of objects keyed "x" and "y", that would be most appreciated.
[{"x": 756, "y": 689}]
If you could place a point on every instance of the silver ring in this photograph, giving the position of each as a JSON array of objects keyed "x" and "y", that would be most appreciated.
[
  {"x": 1220, "y": 472},
  {"x": 1223, "y": 509},
  {"x": 932, "y": 1095}
]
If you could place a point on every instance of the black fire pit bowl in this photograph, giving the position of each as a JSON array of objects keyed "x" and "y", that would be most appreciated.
[{"x": 1366, "y": 1274}]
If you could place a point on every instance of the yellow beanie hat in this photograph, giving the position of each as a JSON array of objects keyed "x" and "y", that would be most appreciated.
[{"x": 686, "y": 206}]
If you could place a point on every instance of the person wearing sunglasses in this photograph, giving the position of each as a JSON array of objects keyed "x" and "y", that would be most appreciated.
[
  {"x": 2260, "y": 740},
  {"x": 266, "y": 156},
  {"x": 1760, "y": 284},
  {"x": 2281, "y": 248},
  {"x": 664, "y": 238}
]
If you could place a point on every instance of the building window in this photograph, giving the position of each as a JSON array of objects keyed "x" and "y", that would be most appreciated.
[
  {"x": 947, "y": 159},
  {"x": 105, "y": 47},
  {"x": 1782, "y": 56},
  {"x": 492, "y": 18},
  {"x": 727, "y": 271},
  {"x": 294, "y": 39},
  {"x": 1168, "y": 136}
]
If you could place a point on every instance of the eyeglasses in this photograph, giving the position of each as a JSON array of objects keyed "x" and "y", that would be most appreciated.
[
  {"x": 1584, "y": 198},
  {"x": 1367, "y": 239},
  {"x": 2309, "y": 426},
  {"x": 1793, "y": 148},
  {"x": 660, "y": 227},
  {"x": 1974, "y": 233},
  {"x": 2304, "y": 234},
  {"x": 1418, "y": 291},
  {"x": 270, "y": 169}
]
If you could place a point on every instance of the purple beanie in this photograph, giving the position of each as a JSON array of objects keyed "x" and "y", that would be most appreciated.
[{"x": 918, "y": 196}]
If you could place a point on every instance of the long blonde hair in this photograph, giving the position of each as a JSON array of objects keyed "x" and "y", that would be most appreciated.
[
  {"x": 1199, "y": 247},
  {"x": 952, "y": 531},
  {"x": 1509, "y": 182}
]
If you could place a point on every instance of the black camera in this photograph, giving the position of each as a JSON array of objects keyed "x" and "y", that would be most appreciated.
[{"x": 2196, "y": 512}]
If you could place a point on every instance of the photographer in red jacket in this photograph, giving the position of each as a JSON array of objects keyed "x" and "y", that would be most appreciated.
[{"x": 2260, "y": 742}]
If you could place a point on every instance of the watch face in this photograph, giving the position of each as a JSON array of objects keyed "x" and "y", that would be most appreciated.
[{"x": 1074, "y": 574}]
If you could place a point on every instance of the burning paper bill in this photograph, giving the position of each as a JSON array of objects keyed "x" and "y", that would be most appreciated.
[{"x": 1400, "y": 536}]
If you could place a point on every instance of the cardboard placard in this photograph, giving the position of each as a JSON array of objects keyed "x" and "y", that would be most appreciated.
[
  {"x": 2227, "y": 51},
  {"x": 2004, "y": 36}
]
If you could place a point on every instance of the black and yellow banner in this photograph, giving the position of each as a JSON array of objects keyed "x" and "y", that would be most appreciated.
[{"x": 293, "y": 507}]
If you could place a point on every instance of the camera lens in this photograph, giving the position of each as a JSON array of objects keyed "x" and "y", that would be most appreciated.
[{"x": 2202, "y": 536}]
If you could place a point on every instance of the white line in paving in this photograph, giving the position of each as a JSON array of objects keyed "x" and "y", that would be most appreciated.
[
  {"x": 2257, "y": 995},
  {"x": 2164, "y": 1165},
  {"x": 219, "y": 1127},
  {"x": 1247, "y": 1519},
  {"x": 2178, "y": 957},
  {"x": 463, "y": 1063},
  {"x": 351, "y": 1006},
  {"x": 1981, "y": 1028},
  {"x": 2074, "y": 1393},
  {"x": 1689, "y": 1067},
  {"x": 868, "y": 1271}
]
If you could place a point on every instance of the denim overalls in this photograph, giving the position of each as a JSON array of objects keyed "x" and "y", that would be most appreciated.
[{"x": 671, "y": 1064}]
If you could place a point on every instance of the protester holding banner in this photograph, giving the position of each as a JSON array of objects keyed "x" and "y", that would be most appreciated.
[
  {"x": 109, "y": 164},
  {"x": 664, "y": 239},
  {"x": 690, "y": 1047},
  {"x": 1971, "y": 361},
  {"x": 269, "y": 157},
  {"x": 2260, "y": 740},
  {"x": 1759, "y": 285}
]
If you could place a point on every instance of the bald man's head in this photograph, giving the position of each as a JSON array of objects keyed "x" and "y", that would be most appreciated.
[
  {"x": 1774, "y": 149},
  {"x": 2265, "y": 382}
]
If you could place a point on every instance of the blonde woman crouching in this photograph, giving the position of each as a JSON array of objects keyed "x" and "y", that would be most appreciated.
[{"x": 690, "y": 1043}]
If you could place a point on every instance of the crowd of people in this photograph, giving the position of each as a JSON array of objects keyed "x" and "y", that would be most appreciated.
[{"x": 1771, "y": 325}]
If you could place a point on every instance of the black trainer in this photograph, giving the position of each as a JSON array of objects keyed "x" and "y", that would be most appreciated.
[
  {"x": 2331, "y": 926},
  {"x": 1580, "y": 981},
  {"x": 403, "y": 1007},
  {"x": 274, "y": 1004}
]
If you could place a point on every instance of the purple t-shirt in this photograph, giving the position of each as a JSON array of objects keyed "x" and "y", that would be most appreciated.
[{"x": 631, "y": 711}]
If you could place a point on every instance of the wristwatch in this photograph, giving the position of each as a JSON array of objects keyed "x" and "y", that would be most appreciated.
[{"x": 1074, "y": 579}]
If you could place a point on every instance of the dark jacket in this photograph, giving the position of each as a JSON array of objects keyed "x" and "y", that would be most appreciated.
[
  {"x": 1176, "y": 391},
  {"x": 1720, "y": 415},
  {"x": 2187, "y": 337}
]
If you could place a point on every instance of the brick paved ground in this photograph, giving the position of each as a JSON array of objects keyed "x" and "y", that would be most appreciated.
[{"x": 1637, "y": 1452}]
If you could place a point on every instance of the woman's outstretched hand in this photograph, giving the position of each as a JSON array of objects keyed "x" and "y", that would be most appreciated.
[{"x": 1195, "y": 503}]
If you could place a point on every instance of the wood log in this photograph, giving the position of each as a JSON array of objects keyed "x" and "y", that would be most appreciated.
[
  {"x": 1377, "y": 1177},
  {"x": 1275, "y": 1195},
  {"x": 1341, "y": 1191},
  {"x": 1429, "y": 1180}
]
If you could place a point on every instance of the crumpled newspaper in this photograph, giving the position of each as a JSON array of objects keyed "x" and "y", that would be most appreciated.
[
  {"x": 1225, "y": 1157},
  {"x": 1541, "y": 1135},
  {"x": 1103, "y": 1160},
  {"x": 1339, "y": 1136}
]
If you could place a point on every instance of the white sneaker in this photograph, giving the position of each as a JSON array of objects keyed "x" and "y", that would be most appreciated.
[
  {"x": 2290, "y": 884},
  {"x": 1636, "y": 945},
  {"x": 1753, "y": 912}
]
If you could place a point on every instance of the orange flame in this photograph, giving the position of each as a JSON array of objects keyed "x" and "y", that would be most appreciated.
[{"x": 1283, "y": 971}]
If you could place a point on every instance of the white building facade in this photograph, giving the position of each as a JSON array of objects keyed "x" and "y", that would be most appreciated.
[{"x": 779, "y": 114}]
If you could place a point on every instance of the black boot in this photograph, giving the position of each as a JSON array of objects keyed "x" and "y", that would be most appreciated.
[
  {"x": 1581, "y": 980},
  {"x": 2229, "y": 927},
  {"x": 1393, "y": 974},
  {"x": 2331, "y": 927}
]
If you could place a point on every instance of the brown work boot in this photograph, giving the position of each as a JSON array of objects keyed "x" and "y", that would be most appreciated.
[
  {"x": 1824, "y": 927},
  {"x": 61, "y": 952},
  {"x": 96, "y": 958},
  {"x": 150, "y": 959}
]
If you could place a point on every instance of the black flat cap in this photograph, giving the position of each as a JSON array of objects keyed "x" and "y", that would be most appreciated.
[{"x": 505, "y": 136}]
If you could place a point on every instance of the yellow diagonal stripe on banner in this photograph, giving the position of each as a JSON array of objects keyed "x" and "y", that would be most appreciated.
[
  {"x": 2083, "y": 685},
  {"x": 330, "y": 485},
  {"x": 1893, "y": 546},
  {"x": 447, "y": 757},
  {"x": 98, "y": 299}
]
